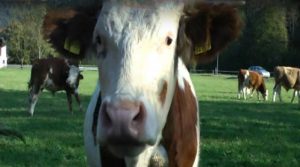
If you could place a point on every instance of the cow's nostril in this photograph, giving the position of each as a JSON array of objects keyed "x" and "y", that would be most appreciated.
[
  {"x": 122, "y": 122},
  {"x": 140, "y": 114},
  {"x": 137, "y": 117},
  {"x": 107, "y": 121}
]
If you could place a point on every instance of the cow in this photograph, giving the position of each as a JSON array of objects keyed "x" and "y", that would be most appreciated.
[
  {"x": 54, "y": 74},
  {"x": 289, "y": 78},
  {"x": 144, "y": 106},
  {"x": 248, "y": 81}
]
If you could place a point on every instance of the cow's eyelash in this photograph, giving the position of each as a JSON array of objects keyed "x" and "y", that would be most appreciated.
[{"x": 100, "y": 46}]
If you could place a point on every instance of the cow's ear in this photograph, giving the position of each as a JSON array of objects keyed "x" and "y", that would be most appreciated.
[
  {"x": 205, "y": 30},
  {"x": 70, "y": 30},
  {"x": 80, "y": 76}
]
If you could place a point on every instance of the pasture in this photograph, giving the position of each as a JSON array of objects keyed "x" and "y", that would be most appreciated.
[{"x": 234, "y": 133}]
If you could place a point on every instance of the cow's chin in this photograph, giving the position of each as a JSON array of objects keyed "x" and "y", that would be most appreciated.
[{"x": 123, "y": 151}]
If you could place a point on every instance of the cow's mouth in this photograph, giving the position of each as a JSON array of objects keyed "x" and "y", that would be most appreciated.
[
  {"x": 127, "y": 147},
  {"x": 126, "y": 150}
]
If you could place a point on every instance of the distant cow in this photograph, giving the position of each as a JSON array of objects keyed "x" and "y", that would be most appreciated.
[
  {"x": 289, "y": 78},
  {"x": 53, "y": 74},
  {"x": 248, "y": 81}
]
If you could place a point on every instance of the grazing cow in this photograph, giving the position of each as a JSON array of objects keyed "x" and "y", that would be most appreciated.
[
  {"x": 289, "y": 78},
  {"x": 248, "y": 81},
  {"x": 53, "y": 74},
  {"x": 145, "y": 103}
]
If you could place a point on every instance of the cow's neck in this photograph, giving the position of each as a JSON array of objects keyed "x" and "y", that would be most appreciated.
[
  {"x": 181, "y": 125},
  {"x": 182, "y": 118}
]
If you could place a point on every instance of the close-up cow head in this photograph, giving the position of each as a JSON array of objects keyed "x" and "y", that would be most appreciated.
[{"x": 141, "y": 48}]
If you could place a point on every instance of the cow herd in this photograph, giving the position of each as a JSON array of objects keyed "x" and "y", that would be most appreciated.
[{"x": 250, "y": 81}]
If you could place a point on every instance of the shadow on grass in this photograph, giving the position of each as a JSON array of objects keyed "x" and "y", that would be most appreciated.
[
  {"x": 249, "y": 134},
  {"x": 15, "y": 103},
  {"x": 53, "y": 135}
]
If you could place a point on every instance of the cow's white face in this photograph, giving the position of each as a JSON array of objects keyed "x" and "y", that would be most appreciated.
[
  {"x": 73, "y": 76},
  {"x": 136, "y": 47},
  {"x": 246, "y": 78}
]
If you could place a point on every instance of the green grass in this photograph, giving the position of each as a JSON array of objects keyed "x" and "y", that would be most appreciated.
[
  {"x": 252, "y": 133},
  {"x": 234, "y": 133},
  {"x": 53, "y": 136}
]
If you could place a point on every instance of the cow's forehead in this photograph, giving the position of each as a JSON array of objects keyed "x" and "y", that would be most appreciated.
[{"x": 117, "y": 20}]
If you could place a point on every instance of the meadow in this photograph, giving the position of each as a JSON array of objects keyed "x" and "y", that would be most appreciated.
[{"x": 234, "y": 133}]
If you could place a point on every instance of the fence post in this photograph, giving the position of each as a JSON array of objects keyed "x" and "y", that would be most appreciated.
[{"x": 217, "y": 66}]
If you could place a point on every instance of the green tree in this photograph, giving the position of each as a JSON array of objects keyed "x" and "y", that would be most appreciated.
[
  {"x": 25, "y": 40},
  {"x": 294, "y": 34},
  {"x": 265, "y": 37},
  {"x": 270, "y": 35},
  {"x": 15, "y": 42}
]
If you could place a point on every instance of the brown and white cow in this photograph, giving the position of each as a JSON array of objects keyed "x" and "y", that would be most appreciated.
[
  {"x": 53, "y": 74},
  {"x": 145, "y": 101},
  {"x": 289, "y": 78},
  {"x": 248, "y": 81}
]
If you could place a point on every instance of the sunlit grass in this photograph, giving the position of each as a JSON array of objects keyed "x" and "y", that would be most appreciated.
[{"x": 234, "y": 133}]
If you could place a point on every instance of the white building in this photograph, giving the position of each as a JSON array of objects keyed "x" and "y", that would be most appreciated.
[{"x": 3, "y": 56}]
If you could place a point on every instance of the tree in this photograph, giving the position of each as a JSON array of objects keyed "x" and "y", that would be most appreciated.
[
  {"x": 15, "y": 42},
  {"x": 265, "y": 37},
  {"x": 25, "y": 39},
  {"x": 270, "y": 35}
]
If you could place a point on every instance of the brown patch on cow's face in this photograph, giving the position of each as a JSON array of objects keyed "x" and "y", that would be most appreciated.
[
  {"x": 163, "y": 93},
  {"x": 182, "y": 118}
]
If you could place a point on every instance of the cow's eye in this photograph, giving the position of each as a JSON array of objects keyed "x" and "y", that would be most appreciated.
[
  {"x": 99, "y": 43},
  {"x": 98, "y": 40},
  {"x": 169, "y": 41}
]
